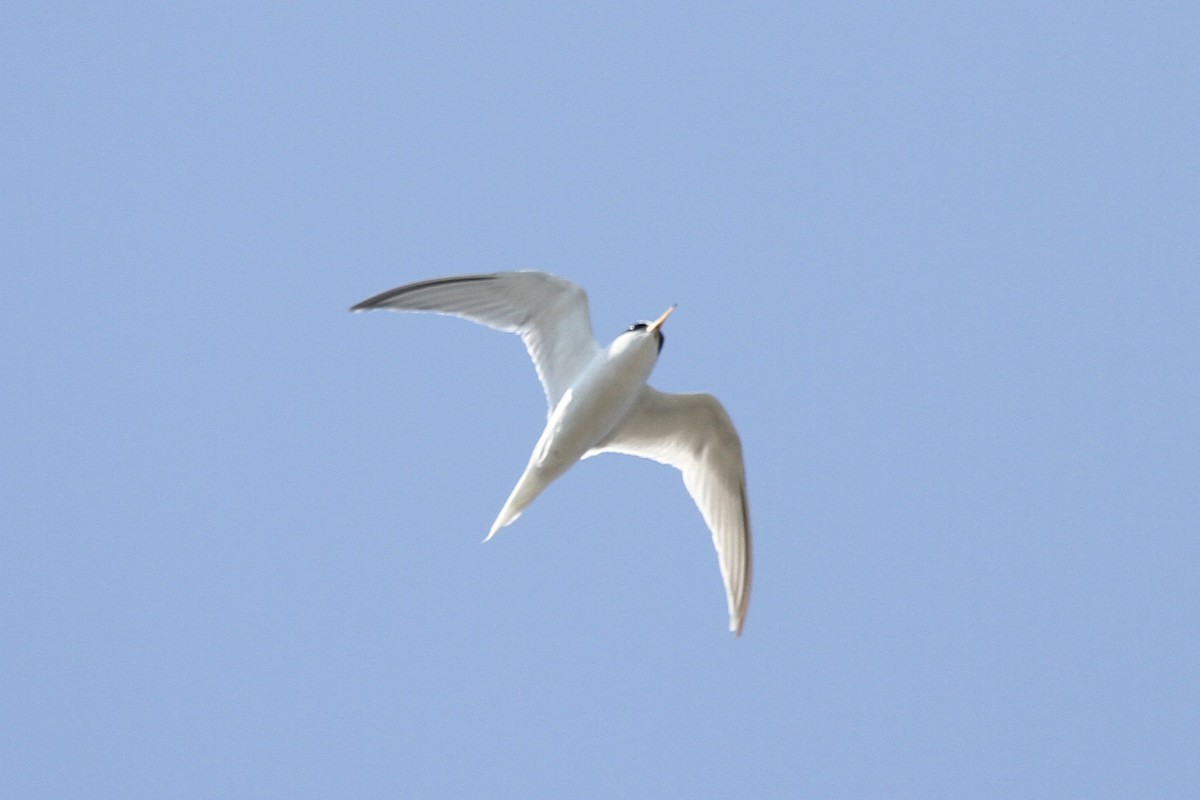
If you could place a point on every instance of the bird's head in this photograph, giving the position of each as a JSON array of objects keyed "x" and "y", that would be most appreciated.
[{"x": 653, "y": 329}]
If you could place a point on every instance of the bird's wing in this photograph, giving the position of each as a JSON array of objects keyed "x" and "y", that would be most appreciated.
[
  {"x": 550, "y": 314},
  {"x": 693, "y": 433}
]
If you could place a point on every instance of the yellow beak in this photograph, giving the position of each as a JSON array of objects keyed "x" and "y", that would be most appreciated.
[{"x": 658, "y": 322}]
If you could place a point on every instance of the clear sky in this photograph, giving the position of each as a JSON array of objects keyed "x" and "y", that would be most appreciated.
[{"x": 941, "y": 262}]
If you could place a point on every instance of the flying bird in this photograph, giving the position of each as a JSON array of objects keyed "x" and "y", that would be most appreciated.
[{"x": 599, "y": 402}]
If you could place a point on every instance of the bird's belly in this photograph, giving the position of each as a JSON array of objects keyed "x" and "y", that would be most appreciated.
[{"x": 587, "y": 413}]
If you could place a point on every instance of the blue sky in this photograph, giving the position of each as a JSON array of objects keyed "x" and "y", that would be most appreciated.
[{"x": 940, "y": 261}]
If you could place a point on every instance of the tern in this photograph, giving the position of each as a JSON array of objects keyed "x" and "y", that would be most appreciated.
[{"x": 599, "y": 402}]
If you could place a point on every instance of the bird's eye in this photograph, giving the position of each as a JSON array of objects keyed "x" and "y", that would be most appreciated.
[{"x": 639, "y": 326}]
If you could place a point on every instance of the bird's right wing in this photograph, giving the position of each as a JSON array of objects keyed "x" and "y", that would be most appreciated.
[
  {"x": 693, "y": 433},
  {"x": 550, "y": 314}
]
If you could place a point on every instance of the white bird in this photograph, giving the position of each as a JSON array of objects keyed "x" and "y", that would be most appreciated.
[{"x": 599, "y": 402}]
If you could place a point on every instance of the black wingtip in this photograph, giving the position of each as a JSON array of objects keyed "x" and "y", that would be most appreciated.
[{"x": 385, "y": 298}]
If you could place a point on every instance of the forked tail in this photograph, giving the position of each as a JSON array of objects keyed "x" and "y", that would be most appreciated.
[{"x": 526, "y": 491}]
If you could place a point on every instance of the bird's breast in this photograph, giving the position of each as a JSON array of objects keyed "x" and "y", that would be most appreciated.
[{"x": 594, "y": 405}]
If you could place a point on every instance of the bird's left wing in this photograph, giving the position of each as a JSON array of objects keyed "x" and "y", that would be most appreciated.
[
  {"x": 550, "y": 313},
  {"x": 693, "y": 433}
]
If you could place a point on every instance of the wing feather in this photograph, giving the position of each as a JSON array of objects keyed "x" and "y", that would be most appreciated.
[
  {"x": 550, "y": 314},
  {"x": 694, "y": 434}
]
